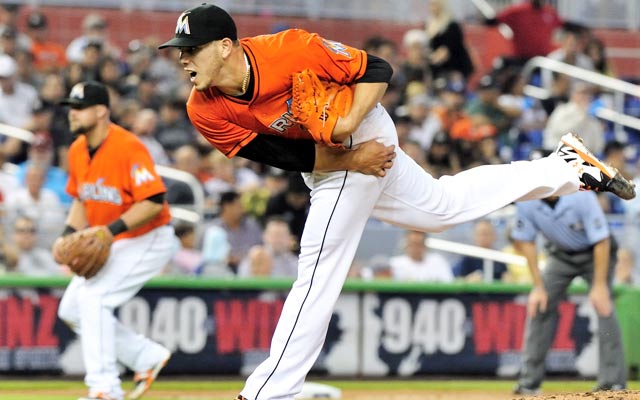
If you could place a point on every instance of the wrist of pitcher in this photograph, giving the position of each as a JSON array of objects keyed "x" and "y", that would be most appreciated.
[{"x": 342, "y": 130}]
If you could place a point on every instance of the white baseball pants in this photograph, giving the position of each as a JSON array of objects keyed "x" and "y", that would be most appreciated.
[
  {"x": 342, "y": 202},
  {"x": 88, "y": 304}
]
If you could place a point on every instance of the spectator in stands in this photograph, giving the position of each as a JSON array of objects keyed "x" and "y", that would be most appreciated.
[
  {"x": 533, "y": 24},
  {"x": 274, "y": 181},
  {"x": 51, "y": 92},
  {"x": 39, "y": 204},
  {"x": 228, "y": 176},
  {"x": 186, "y": 159},
  {"x": 416, "y": 152},
  {"x": 571, "y": 51},
  {"x": 8, "y": 183},
  {"x": 274, "y": 258},
  {"x": 9, "y": 16},
  {"x": 377, "y": 268},
  {"x": 17, "y": 101},
  {"x": 596, "y": 51},
  {"x": 527, "y": 114},
  {"x": 423, "y": 123},
  {"x": 448, "y": 55},
  {"x": 188, "y": 260},
  {"x": 174, "y": 129},
  {"x": 144, "y": 127},
  {"x": 418, "y": 263},
  {"x": 442, "y": 159},
  {"x": 109, "y": 72},
  {"x": 450, "y": 102},
  {"x": 9, "y": 41},
  {"x": 41, "y": 153},
  {"x": 485, "y": 106},
  {"x": 32, "y": 260},
  {"x": 92, "y": 54},
  {"x": 291, "y": 204},
  {"x": 473, "y": 268},
  {"x": 415, "y": 67},
  {"x": 242, "y": 231},
  {"x": 574, "y": 116},
  {"x": 94, "y": 28},
  {"x": 48, "y": 56}
]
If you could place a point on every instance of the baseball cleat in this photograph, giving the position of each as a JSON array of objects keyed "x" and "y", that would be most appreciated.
[
  {"x": 593, "y": 173},
  {"x": 143, "y": 380},
  {"x": 240, "y": 397},
  {"x": 528, "y": 391},
  {"x": 99, "y": 396},
  {"x": 608, "y": 386}
]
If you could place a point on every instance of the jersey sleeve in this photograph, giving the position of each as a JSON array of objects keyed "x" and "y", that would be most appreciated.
[
  {"x": 333, "y": 60},
  {"x": 143, "y": 180},
  {"x": 225, "y": 136}
]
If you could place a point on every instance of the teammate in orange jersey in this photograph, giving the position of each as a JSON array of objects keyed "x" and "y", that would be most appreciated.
[
  {"x": 114, "y": 184},
  {"x": 241, "y": 102}
]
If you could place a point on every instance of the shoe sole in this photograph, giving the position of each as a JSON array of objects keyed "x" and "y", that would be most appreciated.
[
  {"x": 140, "y": 390},
  {"x": 618, "y": 184}
]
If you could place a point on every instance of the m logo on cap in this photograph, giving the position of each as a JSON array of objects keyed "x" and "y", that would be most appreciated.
[
  {"x": 182, "y": 26},
  {"x": 77, "y": 91}
]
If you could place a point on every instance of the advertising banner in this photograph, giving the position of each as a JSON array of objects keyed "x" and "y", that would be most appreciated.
[{"x": 371, "y": 334}]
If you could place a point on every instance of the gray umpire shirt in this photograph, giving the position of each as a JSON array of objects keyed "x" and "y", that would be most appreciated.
[{"x": 574, "y": 225}]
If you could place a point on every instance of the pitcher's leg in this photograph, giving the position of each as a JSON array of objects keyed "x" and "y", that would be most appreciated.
[
  {"x": 339, "y": 212},
  {"x": 415, "y": 200}
]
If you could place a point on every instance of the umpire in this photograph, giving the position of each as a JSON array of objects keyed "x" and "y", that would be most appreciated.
[{"x": 579, "y": 243}]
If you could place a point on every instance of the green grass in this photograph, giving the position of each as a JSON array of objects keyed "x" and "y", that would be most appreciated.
[{"x": 64, "y": 389}]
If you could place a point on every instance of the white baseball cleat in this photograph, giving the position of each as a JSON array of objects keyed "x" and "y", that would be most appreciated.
[
  {"x": 593, "y": 173},
  {"x": 143, "y": 380},
  {"x": 99, "y": 396}
]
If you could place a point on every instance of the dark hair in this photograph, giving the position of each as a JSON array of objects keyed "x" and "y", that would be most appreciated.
[
  {"x": 228, "y": 197},
  {"x": 184, "y": 229},
  {"x": 612, "y": 146}
]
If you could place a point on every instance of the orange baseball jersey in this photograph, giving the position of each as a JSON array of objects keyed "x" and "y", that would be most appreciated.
[
  {"x": 229, "y": 123},
  {"x": 119, "y": 174}
]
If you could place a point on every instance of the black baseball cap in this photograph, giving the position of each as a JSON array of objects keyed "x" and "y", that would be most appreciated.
[
  {"x": 37, "y": 20},
  {"x": 200, "y": 25},
  {"x": 87, "y": 94}
]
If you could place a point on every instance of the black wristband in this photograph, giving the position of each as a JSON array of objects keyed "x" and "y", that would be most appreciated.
[
  {"x": 68, "y": 230},
  {"x": 118, "y": 226}
]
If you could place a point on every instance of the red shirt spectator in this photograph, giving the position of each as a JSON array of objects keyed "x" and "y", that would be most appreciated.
[{"x": 533, "y": 23}]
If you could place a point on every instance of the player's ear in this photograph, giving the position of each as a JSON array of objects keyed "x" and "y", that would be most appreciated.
[
  {"x": 226, "y": 45},
  {"x": 102, "y": 110}
]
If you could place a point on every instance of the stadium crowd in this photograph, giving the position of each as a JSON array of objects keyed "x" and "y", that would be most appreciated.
[{"x": 449, "y": 117}]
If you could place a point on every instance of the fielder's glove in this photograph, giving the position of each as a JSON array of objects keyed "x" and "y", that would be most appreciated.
[
  {"x": 316, "y": 104},
  {"x": 85, "y": 251}
]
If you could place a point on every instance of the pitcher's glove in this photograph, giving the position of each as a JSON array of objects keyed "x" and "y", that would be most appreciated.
[
  {"x": 316, "y": 104},
  {"x": 84, "y": 251}
]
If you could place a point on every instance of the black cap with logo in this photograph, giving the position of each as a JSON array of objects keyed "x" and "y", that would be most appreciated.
[
  {"x": 87, "y": 94},
  {"x": 201, "y": 25}
]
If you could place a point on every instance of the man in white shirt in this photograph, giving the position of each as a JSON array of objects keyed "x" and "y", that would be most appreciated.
[{"x": 418, "y": 263}]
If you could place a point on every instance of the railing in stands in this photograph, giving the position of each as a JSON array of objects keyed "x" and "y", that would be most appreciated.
[{"x": 618, "y": 88}]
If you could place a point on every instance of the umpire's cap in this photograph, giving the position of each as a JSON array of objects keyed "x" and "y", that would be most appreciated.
[
  {"x": 201, "y": 25},
  {"x": 87, "y": 94}
]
